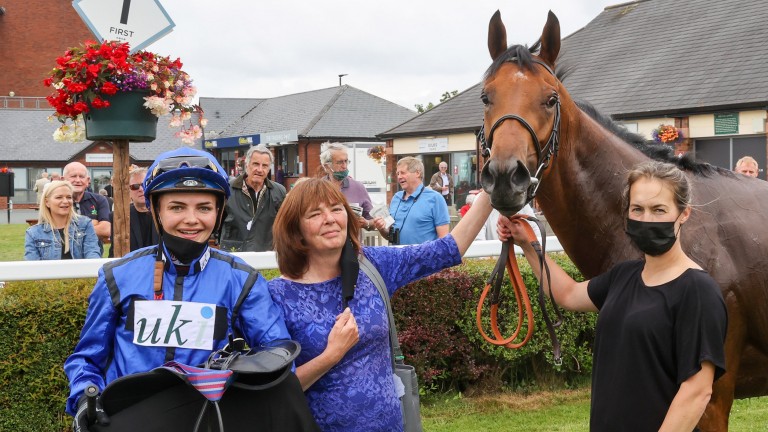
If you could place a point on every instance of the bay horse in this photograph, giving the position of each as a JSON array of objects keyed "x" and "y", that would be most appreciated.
[{"x": 576, "y": 171}]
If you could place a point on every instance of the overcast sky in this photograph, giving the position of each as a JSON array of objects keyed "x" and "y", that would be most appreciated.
[{"x": 407, "y": 52}]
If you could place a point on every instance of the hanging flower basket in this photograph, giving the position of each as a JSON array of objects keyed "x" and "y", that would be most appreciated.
[
  {"x": 88, "y": 80},
  {"x": 667, "y": 134},
  {"x": 124, "y": 119},
  {"x": 377, "y": 153}
]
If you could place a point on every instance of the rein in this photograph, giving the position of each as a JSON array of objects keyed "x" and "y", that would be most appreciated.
[
  {"x": 544, "y": 156},
  {"x": 523, "y": 301}
]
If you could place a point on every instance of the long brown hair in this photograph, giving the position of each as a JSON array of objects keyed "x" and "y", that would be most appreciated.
[{"x": 292, "y": 253}]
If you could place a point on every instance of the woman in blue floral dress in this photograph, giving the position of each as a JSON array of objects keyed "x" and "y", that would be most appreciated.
[{"x": 345, "y": 363}]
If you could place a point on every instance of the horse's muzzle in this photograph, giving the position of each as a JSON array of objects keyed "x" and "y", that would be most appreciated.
[{"x": 506, "y": 182}]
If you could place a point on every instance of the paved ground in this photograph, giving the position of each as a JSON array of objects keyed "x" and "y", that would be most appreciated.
[{"x": 17, "y": 216}]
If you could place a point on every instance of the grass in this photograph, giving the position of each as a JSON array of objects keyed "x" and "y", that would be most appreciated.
[
  {"x": 551, "y": 411},
  {"x": 12, "y": 242}
]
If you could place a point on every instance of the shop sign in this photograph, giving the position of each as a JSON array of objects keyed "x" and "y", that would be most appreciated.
[
  {"x": 98, "y": 157},
  {"x": 727, "y": 123},
  {"x": 433, "y": 145}
]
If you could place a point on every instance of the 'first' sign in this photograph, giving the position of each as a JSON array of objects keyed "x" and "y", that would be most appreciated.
[{"x": 138, "y": 22}]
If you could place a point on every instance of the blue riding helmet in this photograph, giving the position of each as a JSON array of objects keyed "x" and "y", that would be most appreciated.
[{"x": 185, "y": 170}]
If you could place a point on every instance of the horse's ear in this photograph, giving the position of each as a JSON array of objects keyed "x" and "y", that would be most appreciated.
[
  {"x": 550, "y": 40},
  {"x": 497, "y": 36}
]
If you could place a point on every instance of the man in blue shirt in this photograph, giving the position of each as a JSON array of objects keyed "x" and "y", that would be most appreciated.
[{"x": 420, "y": 213}]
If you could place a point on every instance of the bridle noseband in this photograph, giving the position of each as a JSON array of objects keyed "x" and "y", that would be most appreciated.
[{"x": 543, "y": 156}]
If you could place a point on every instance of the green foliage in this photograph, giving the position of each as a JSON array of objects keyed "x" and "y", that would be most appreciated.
[
  {"x": 40, "y": 322},
  {"x": 436, "y": 320},
  {"x": 420, "y": 108}
]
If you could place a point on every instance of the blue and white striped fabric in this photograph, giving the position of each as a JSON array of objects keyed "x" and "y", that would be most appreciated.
[{"x": 210, "y": 383}]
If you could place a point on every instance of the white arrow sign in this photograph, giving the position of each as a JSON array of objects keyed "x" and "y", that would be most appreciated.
[{"x": 138, "y": 22}]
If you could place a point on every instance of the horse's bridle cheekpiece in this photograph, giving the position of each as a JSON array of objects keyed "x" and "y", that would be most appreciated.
[{"x": 544, "y": 156}]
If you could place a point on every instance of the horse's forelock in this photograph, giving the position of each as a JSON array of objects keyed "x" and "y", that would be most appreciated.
[{"x": 520, "y": 54}]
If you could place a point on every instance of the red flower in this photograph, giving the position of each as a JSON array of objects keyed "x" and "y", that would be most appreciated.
[
  {"x": 76, "y": 87},
  {"x": 100, "y": 103},
  {"x": 108, "y": 89}
]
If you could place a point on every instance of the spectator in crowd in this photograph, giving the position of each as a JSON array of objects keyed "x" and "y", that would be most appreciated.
[
  {"x": 55, "y": 176},
  {"x": 109, "y": 188},
  {"x": 60, "y": 233},
  {"x": 659, "y": 339},
  {"x": 747, "y": 166},
  {"x": 252, "y": 209},
  {"x": 334, "y": 158},
  {"x": 186, "y": 191},
  {"x": 142, "y": 231},
  {"x": 86, "y": 203},
  {"x": 442, "y": 182},
  {"x": 40, "y": 185},
  {"x": 467, "y": 203},
  {"x": 345, "y": 365},
  {"x": 103, "y": 192},
  {"x": 420, "y": 213}
]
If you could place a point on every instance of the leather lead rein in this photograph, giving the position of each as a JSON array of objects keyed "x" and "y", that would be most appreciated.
[{"x": 523, "y": 302}]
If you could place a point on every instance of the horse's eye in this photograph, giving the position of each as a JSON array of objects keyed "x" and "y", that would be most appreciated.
[
  {"x": 552, "y": 101},
  {"x": 484, "y": 98}
]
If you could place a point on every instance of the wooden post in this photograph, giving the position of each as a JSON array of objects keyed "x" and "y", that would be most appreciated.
[{"x": 121, "y": 224}]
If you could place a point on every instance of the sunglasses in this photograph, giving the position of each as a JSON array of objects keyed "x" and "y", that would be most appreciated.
[
  {"x": 135, "y": 187},
  {"x": 173, "y": 163}
]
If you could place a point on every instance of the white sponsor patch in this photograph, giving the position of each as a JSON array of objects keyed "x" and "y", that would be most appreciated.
[{"x": 174, "y": 324}]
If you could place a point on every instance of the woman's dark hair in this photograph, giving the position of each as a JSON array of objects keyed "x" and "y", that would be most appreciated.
[{"x": 292, "y": 252}]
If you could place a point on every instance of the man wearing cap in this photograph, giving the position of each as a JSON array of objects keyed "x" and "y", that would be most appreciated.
[{"x": 253, "y": 206}]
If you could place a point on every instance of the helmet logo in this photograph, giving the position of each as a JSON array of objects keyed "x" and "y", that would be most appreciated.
[{"x": 192, "y": 183}]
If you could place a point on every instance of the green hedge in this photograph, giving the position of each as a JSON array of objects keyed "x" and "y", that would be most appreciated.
[{"x": 40, "y": 322}]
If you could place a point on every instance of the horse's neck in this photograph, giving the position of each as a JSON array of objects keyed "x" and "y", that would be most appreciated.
[{"x": 581, "y": 195}]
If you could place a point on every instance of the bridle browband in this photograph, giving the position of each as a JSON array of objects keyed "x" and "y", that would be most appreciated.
[{"x": 544, "y": 155}]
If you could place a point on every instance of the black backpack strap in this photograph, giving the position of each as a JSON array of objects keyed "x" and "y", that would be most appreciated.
[{"x": 249, "y": 283}]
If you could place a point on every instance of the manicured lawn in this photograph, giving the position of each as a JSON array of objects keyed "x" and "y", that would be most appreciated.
[
  {"x": 12, "y": 242},
  {"x": 561, "y": 411}
]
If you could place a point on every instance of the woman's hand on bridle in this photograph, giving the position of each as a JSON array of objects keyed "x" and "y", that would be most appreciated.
[
  {"x": 507, "y": 229},
  {"x": 344, "y": 335}
]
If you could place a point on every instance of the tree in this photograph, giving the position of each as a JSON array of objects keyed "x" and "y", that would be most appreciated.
[{"x": 447, "y": 95}]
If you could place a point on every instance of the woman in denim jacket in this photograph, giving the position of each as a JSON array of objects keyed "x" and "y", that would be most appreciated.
[{"x": 60, "y": 233}]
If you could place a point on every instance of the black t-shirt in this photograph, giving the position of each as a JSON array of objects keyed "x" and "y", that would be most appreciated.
[
  {"x": 64, "y": 255},
  {"x": 648, "y": 341},
  {"x": 147, "y": 235}
]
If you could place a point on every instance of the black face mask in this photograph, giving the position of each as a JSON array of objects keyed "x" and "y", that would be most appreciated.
[
  {"x": 652, "y": 238},
  {"x": 185, "y": 251}
]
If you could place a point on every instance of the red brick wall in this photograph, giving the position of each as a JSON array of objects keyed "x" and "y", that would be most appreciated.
[{"x": 32, "y": 35}]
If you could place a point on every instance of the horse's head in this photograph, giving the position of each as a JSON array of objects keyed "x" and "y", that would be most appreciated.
[{"x": 521, "y": 120}]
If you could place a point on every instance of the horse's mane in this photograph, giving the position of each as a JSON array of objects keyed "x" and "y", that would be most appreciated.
[
  {"x": 523, "y": 56},
  {"x": 650, "y": 148}
]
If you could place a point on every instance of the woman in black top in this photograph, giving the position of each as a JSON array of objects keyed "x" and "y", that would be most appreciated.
[{"x": 659, "y": 339}]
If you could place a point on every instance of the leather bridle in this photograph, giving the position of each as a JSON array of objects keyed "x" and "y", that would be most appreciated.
[{"x": 544, "y": 156}]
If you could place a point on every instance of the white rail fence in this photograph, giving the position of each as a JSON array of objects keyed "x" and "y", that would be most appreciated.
[{"x": 89, "y": 268}]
